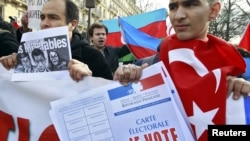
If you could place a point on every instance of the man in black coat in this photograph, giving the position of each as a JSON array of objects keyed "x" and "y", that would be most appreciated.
[
  {"x": 98, "y": 33},
  {"x": 82, "y": 51}
]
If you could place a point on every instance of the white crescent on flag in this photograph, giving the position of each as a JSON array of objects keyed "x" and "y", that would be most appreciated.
[{"x": 187, "y": 56}]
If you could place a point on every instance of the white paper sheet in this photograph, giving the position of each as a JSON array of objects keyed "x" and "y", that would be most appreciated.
[{"x": 135, "y": 112}]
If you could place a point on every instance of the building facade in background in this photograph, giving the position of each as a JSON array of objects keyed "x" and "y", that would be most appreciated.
[
  {"x": 104, "y": 9},
  {"x": 13, "y": 8}
]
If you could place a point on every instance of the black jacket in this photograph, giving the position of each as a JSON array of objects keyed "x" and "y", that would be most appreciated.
[
  {"x": 8, "y": 43},
  {"x": 19, "y": 33},
  {"x": 112, "y": 55},
  {"x": 82, "y": 51}
]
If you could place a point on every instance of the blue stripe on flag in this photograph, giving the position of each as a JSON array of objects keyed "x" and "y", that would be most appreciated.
[
  {"x": 246, "y": 75},
  {"x": 247, "y": 109},
  {"x": 133, "y": 36}
]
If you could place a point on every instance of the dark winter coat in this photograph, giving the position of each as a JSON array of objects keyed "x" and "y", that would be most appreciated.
[
  {"x": 113, "y": 54},
  {"x": 82, "y": 51},
  {"x": 8, "y": 43}
]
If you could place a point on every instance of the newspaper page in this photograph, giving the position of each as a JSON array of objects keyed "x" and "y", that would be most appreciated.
[
  {"x": 138, "y": 112},
  {"x": 43, "y": 55}
]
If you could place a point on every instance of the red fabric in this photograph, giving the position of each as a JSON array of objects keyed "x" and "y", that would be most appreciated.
[
  {"x": 114, "y": 39},
  {"x": 15, "y": 25},
  {"x": 199, "y": 71},
  {"x": 245, "y": 40},
  {"x": 140, "y": 51},
  {"x": 152, "y": 81},
  {"x": 155, "y": 29}
]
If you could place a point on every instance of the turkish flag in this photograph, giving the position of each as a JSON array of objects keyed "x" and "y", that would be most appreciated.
[
  {"x": 245, "y": 39},
  {"x": 199, "y": 69}
]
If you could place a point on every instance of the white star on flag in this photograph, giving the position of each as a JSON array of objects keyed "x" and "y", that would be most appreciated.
[{"x": 201, "y": 119}]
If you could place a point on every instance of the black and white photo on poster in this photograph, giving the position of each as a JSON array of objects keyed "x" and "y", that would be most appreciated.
[{"x": 42, "y": 56}]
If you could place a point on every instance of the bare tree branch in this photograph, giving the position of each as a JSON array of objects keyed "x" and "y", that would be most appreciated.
[{"x": 232, "y": 20}]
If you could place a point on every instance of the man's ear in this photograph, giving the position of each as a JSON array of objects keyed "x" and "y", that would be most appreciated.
[
  {"x": 214, "y": 10},
  {"x": 74, "y": 24},
  {"x": 91, "y": 39}
]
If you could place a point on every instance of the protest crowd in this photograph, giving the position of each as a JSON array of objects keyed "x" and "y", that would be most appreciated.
[{"x": 206, "y": 70}]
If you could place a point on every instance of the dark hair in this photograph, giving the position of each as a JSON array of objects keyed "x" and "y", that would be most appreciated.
[
  {"x": 59, "y": 57},
  {"x": 37, "y": 52},
  {"x": 22, "y": 55},
  {"x": 96, "y": 25},
  {"x": 72, "y": 11},
  {"x": 8, "y": 26}
]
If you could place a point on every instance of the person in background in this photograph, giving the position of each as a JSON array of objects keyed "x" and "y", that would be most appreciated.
[
  {"x": 13, "y": 22},
  {"x": 98, "y": 35},
  {"x": 8, "y": 27},
  {"x": 24, "y": 28},
  {"x": 8, "y": 42}
]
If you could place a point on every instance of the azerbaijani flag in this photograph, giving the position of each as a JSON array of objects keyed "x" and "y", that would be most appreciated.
[
  {"x": 141, "y": 44},
  {"x": 245, "y": 39},
  {"x": 152, "y": 23}
]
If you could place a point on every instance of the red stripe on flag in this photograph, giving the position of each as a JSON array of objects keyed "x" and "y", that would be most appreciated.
[
  {"x": 155, "y": 29},
  {"x": 152, "y": 81},
  {"x": 141, "y": 52},
  {"x": 114, "y": 39}
]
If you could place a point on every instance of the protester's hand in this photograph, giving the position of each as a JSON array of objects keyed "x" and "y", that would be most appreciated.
[
  {"x": 78, "y": 70},
  {"x": 238, "y": 86},
  {"x": 9, "y": 61},
  {"x": 128, "y": 73}
]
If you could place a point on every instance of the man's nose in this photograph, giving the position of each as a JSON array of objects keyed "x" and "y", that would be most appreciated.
[
  {"x": 180, "y": 13},
  {"x": 102, "y": 35},
  {"x": 45, "y": 23}
]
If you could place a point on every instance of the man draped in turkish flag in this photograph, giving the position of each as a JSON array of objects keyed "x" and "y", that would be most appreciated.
[{"x": 199, "y": 63}]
